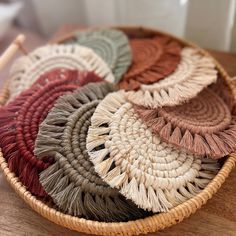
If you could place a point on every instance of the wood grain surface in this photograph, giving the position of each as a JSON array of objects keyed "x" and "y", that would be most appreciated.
[{"x": 216, "y": 218}]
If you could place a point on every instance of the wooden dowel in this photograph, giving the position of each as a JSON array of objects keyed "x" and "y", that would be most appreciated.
[{"x": 11, "y": 50}]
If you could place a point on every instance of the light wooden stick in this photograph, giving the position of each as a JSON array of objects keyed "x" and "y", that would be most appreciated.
[{"x": 11, "y": 50}]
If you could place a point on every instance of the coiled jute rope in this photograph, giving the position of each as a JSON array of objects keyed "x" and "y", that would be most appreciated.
[
  {"x": 71, "y": 181},
  {"x": 20, "y": 120},
  {"x": 153, "y": 60},
  {"x": 128, "y": 156},
  {"x": 203, "y": 126},
  {"x": 28, "y": 68},
  {"x": 193, "y": 74},
  {"x": 111, "y": 45}
]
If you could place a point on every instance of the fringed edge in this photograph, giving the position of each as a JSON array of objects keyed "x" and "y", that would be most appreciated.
[
  {"x": 123, "y": 50},
  {"x": 74, "y": 201},
  {"x": 91, "y": 59},
  {"x": 214, "y": 145},
  {"x": 171, "y": 94},
  {"x": 148, "y": 198}
]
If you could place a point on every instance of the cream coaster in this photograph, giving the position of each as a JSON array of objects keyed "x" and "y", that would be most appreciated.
[
  {"x": 28, "y": 68},
  {"x": 129, "y": 157},
  {"x": 193, "y": 74}
]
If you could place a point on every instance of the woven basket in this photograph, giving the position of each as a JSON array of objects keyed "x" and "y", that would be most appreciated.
[{"x": 149, "y": 224}]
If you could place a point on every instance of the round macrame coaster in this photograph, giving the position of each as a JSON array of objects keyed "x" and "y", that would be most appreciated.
[
  {"x": 20, "y": 120},
  {"x": 193, "y": 74},
  {"x": 203, "y": 126},
  {"x": 71, "y": 181},
  {"x": 153, "y": 60},
  {"x": 129, "y": 157},
  {"x": 111, "y": 45},
  {"x": 28, "y": 68}
]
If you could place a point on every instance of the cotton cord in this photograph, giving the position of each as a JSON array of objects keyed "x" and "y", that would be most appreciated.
[
  {"x": 192, "y": 75},
  {"x": 111, "y": 45},
  {"x": 203, "y": 126},
  {"x": 20, "y": 120},
  {"x": 71, "y": 181},
  {"x": 153, "y": 60},
  {"x": 128, "y": 156},
  {"x": 28, "y": 68}
]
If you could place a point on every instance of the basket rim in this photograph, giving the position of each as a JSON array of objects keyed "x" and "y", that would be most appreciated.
[{"x": 146, "y": 225}]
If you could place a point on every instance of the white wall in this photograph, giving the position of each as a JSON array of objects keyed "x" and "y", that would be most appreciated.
[{"x": 209, "y": 23}]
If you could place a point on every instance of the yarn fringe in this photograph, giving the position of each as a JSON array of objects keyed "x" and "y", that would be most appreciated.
[
  {"x": 43, "y": 59},
  {"x": 158, "y": 69},
  {"x": 177, "y": 88},
  {"x": 69, "y": 196},
  {"x": 144, "y": 191},
  {"x": 215, "y": 145},
  {"x": 71, "y": 199},
  {"x": 117, "y": 53}
]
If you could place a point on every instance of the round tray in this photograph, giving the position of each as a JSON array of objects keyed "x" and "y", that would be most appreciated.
[{"x": 141, "y": 226}]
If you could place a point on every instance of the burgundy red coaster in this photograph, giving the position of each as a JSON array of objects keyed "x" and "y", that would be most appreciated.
[{"x": 21, "y": 118}]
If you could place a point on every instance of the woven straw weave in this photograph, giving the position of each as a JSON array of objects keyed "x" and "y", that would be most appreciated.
[
  {"x": 71, "y": 181},
  {"x": 194, "y": 73},
  {"x": 28, "y": 68},
  {"x": 111, "y": 45},
  {"x": 129, "y": 157}
]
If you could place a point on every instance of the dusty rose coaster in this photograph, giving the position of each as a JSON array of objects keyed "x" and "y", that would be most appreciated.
[{"x": 202, "y": 126}]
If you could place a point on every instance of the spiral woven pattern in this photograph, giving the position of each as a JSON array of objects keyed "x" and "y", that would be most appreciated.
[
  {"x": 111, "y": 45},
  {"x": 153, "y": 60},
  {"x": 194, "y": 72},
  {"x": 71, "y": 181},
  {"x": 20, "y": 121},
  {"x": 127, "y": 156},
  {"x": 202, "y": 126},
  {"x": 28, "y": 68}
]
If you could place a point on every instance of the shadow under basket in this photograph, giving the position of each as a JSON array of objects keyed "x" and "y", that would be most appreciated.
[{"x": 141, "y": 226}]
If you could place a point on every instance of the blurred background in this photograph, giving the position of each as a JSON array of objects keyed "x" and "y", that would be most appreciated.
[{"x": 211, "y": 23}]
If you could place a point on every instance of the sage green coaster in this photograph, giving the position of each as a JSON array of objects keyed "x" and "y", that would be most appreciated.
[{"x": 111, "y": 45}]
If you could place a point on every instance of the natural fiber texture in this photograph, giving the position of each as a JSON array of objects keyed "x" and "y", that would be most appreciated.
[
  {"x": 151, "y": 224},
  {"x": 111, "y": 45},
  {"x": 71, "y": 181},
  {"x": 28, "y": 68},
  {"x": 202, "y": 126},
  {"x": 193, "y": 74},
  {"x": 20, "y": 120},
  {"x": 127, "y": 156},
  {"x": 153, "y": 60}
]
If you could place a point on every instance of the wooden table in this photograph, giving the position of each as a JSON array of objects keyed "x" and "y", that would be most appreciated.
[{"x": 216, "y": 218}]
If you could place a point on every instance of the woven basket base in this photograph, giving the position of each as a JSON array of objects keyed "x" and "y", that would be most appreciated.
[{"x": 143, "y": 226}]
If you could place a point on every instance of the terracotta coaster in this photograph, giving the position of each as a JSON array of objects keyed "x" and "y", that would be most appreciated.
[
  {"x": 128, "y": 156},
  {"x": 28, "y": 68},
  {"x": 203, "y": 126},
  {"x": 111, "y": 45},
  {"x": 71, "y": 181},
  {"x": 193, "y": 74},
  {"x": 153, "y": 60},
  {"x": 20, "y": 121}
]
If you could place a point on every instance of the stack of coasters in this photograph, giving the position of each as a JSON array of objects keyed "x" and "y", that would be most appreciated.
[{"x": 116, "y": 155}]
